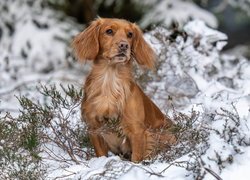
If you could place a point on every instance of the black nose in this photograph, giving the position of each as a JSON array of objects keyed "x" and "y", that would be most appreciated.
[{"x": 123, "y": 46}]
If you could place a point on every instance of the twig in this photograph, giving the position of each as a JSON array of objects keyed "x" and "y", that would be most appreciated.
[
  {"x": 213, "y": 173},
  {"x": 64, "y": 176},
  {"x": 56, "y": 157},
  {"x": 210, "y": 171},
  {"x": 171, "y": 164}
]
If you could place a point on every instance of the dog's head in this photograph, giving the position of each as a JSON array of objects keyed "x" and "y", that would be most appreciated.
[{"x": 114, "y": 40}]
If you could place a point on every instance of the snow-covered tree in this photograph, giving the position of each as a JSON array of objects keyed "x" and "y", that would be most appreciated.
[
  {"x": 167, "y": 12},
  {"x": 34, "y": 44}
]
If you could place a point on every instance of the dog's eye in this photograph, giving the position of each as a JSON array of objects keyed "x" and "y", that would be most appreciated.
[
  {"x": 130, "y": 35},
  {"x": 109, "y": 31}
]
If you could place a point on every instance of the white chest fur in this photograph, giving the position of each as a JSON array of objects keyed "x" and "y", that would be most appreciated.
[{"x": 108, "y": 91}]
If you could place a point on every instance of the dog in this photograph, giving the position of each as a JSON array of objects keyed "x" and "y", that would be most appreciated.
[{"x": 119, "y": 116}]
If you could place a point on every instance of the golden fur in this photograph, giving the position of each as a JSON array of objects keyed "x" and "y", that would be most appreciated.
[{"x": 119, "y": 116}]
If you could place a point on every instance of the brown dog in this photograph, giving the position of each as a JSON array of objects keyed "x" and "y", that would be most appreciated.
[{"x": 119, "y": 116}]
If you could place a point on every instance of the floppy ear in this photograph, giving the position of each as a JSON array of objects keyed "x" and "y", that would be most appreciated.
[
  {"x": 143, "y": 53},
  {"x": 86, "y": 44}
]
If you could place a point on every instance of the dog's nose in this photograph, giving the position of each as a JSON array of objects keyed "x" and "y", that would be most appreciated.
[{"x": 123, "y": 45}]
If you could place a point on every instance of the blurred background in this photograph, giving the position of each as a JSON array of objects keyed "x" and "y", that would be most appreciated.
[
  {"x": 35, "y": 36},
  {"x": 229, "y": 16}
]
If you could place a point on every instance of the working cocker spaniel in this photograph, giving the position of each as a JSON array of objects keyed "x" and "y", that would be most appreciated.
[{"x": 119, "y": 116}]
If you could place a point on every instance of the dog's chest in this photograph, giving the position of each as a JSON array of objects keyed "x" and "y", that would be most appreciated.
[{"x": 107, "y": 94}]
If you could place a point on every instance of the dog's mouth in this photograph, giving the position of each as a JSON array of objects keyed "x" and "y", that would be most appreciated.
[
  {"x": 117, "y": 56},
  {"x": 121, "y": 55}
]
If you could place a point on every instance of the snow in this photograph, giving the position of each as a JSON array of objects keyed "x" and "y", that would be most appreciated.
[
  {"x": 240, "y": 168},
  {"x": 113, "y": 167},
  {"x": 198, "y": 29},
  {"x": 196, "y": 76},
  {"x": 179, "y": 11}
]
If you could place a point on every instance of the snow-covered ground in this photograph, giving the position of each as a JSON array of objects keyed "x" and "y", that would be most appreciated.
[{"x": 193, "y": 75}]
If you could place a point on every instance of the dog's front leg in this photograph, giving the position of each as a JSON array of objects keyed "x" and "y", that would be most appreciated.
[
  {"x": 137, "y": 141},
  {"x": 100, "y": 146},
  {"x": 135, "y": 132},
  {"x": 95, "y": 135},
  {"x": 133, "y": 124}
]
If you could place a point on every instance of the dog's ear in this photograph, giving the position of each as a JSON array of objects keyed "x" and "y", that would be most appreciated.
[
  {"x": 86, "y": 43},
  {"x": 143, "y": 53}
]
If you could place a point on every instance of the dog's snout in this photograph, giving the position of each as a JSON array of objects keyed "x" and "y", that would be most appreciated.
[{"x": 123, "y": 45}]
